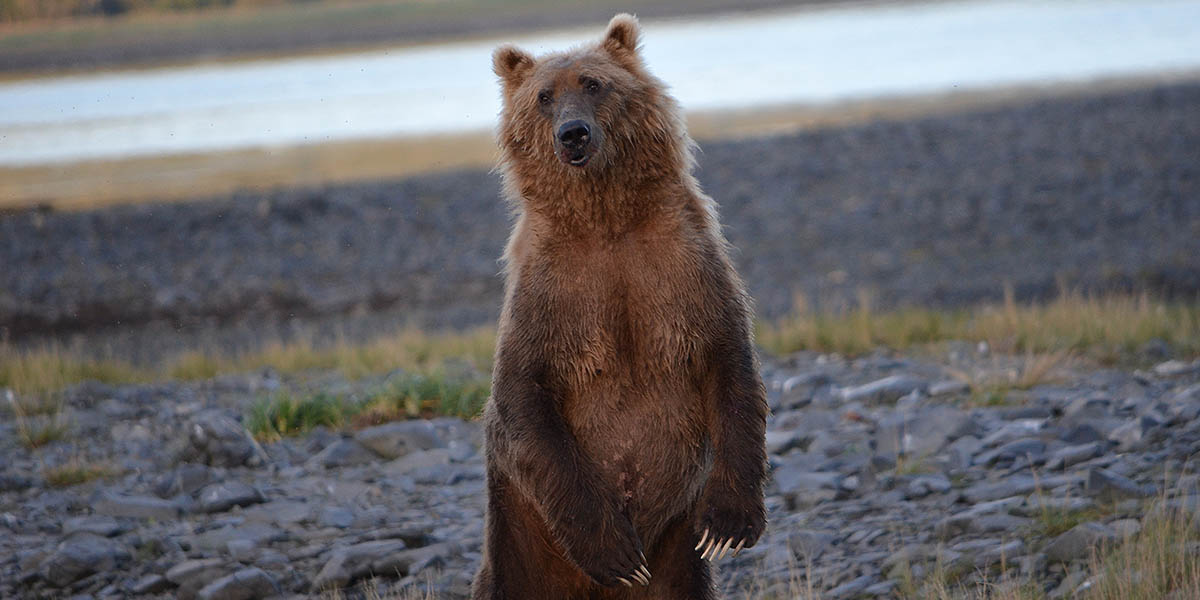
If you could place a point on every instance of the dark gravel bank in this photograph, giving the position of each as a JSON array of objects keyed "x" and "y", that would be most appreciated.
[{"x": 1101, "y": 192}]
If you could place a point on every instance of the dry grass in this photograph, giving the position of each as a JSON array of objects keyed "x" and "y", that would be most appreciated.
[
  {"x": 76, "y": 472},
  {"x": 1161, "y": 561},
  {"x": 1108, "y": 329},
  {"x": 369, "y": 590},
  {"x": 36, "y": 375},
  {"x": 39, "y": 420}
]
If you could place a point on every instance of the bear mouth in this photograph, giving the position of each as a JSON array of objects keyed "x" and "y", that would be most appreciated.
[{"x": 575, "y": 158}]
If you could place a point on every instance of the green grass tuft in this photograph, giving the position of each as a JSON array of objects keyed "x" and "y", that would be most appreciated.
[{"x": 283, "y": 414}]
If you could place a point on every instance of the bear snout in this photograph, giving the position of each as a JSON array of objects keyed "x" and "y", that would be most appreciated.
[{"x": 574, "y": 138}]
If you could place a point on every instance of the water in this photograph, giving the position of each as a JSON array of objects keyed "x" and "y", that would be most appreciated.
[{"x": 802, "y": 56}]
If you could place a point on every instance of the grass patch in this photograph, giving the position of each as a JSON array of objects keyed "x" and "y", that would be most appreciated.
[
  {"x": 425, "y": 395},
  {"x": 283, "y": 414},
  {"x": 39, "y": 421},
  {"x": 43, "y": 372},
  {"x": 1108, "y": 328},
  {"x": 75, "y": 473},
  {"x": 1161, "y": 561}
]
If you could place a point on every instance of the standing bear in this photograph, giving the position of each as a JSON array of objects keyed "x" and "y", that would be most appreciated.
[{"x": 625, "y": 432}]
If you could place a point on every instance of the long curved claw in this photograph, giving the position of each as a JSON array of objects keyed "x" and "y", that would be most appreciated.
[
  {"x": 739, "y": 547},
  {"x": 724, "y": 549},
  {"x": 702, "y": 538},
  {"x": 625, "y": 581},
  {"x": 638, "y": 577},
  {"x": 708, "y": 548},
  {"x": 646, "y": 573}
]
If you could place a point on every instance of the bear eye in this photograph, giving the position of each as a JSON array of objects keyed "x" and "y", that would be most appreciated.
[
  {"x": 591, "y": 85},
  {"x": 544, "y": 98}
]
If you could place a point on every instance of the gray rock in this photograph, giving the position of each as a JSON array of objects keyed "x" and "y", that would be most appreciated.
[
  {"x": 779, "y": 442},
  {"x": 343, "y": 453},
  {"x": 921, "y": 433},
  {"x": 852, "y": 588},
  {"x": 81, "y": 555},
  {"x": 150, "y": 584},
  {"x": 101, "y": 525},
  {"x": 1006, "y": 552},
  {"x": 190, "y": 572},
  {"x": 336, "y": 516},
  {"x": 11, "y": 482},
  {"x": 419, "y": 459},
  {"x": 216, "y": 439},
  {"x": 393, "y": 440},
  {"x": 1065, "y": 458},
  {"x": 1011, "y": 451},
  {"x": 1176, "y": 368},
  {"x": 924, "y": 485},
  {"x": 1106, "y": 486},
  {"x": 1078, "y": 542},
  {"x": 1126, "y": 528},
  {"x": 791, "y": 479},
  {"x": 888, "y": 389},
  {"x": 949, "y": 387},
  {"x": 1012, "y": 486},
  {"x": 137, "y": 507},
  {"x": 218, "y": 497},
  {"x": 352, "y": 562},
  {"x": 247, "y": 584},
  {"x": 184, "y": 479}
]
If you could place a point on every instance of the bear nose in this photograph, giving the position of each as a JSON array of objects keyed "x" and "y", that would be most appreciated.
[{"x": 574, "y": 133}]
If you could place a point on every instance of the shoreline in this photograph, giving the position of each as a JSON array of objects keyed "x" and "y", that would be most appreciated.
[{"x": 184, "y": 177}]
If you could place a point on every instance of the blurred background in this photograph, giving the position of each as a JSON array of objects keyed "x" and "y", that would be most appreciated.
[
  {"x": 244, "y": 244},
  {"x": 179, "y": 175}
]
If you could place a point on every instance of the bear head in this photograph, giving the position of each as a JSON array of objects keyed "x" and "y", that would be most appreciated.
[{"x": 588, "y": 112}]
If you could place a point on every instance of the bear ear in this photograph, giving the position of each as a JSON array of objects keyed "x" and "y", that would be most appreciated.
[
  {"x": 511, "y": 64},
  {"x": 622, "y": 35}
]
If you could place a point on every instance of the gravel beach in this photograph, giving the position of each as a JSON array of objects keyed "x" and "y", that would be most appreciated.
[{"x": 1095, "y": 192}]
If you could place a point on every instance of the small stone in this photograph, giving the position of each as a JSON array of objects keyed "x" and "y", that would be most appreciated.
[
  {"x": 1013, "y": 486},
  {"x": 81, "y": 555},
  {"x": 247, "y": 584},
  {"x": 1176, "y": 368},
  {"x": 1126, "y": 528},
  {"x": 1078, "y": 542},
  {"x": 852, "y": 588},
  {"x": 352, "y": 562},
  {"x": 190, "y": 572},
  {"x": 220, "y": 497},
  {"x": 1065, "y": 458},
  {"x": 218, "y": 440},
  {"x": 136, "y": 507},
  {"x": 242, "y": 550},
  {"x": 150, "y": 584},
  {"x": 184, "y": 479},
  {"x": 101, "y": 525},
  {"x": 417, "y": 460},
  {"x": 393, "y": 440},
  {"x": 1008, "y": 551},
  {"x": 888, "y": 389},
  {"x": 1106, "y": 486},
  {"x": 343, "y": 453},
  {"x": 924, "y": 485},
  {"x": 336, "y": 516},
  {"x": 949, "y": 387}
]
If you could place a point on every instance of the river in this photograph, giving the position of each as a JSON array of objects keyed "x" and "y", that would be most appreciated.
[{"x": 808, "y": 56}]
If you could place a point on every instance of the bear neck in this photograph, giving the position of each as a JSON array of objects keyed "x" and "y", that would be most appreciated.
[{"x": 609, "y": 201}]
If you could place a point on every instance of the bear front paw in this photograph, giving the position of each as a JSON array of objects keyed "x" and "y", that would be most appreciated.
[
  {"x": 729, "y": 526},
  {"x": 611, "y": 554}
]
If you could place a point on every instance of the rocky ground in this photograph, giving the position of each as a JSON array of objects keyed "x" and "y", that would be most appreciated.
[
  {"x": 1097, "y": 191},
  {"x": 881, "y": 467}
]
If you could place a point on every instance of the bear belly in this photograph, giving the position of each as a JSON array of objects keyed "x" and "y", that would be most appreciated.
[{"x": 650, "y": 444}]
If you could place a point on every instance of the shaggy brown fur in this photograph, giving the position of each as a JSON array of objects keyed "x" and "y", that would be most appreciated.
[{"x": 626, "y": 424}]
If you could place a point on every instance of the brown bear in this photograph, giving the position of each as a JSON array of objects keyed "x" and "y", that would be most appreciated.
[{"x": 625, "y": 432}]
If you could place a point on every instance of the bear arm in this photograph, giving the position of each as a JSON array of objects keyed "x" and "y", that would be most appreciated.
[
  {"x": 731, "y": 505},
  {"x": 540, "y": 454}
]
